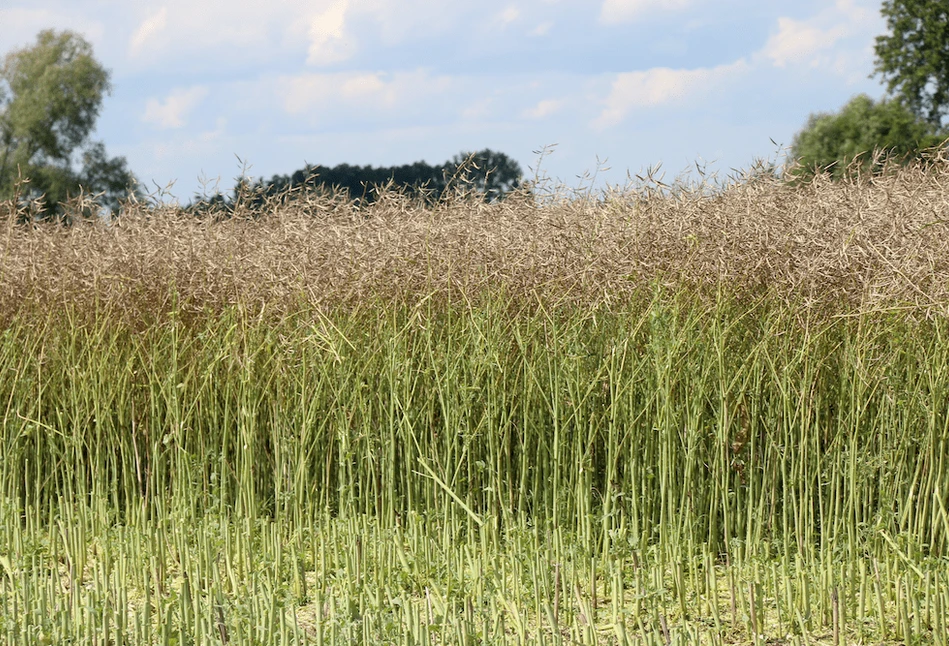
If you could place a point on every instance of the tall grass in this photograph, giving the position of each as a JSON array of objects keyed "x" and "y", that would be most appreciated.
[
  {"x": 875, "y": 241},
  {"x": 524, "y": 457}
]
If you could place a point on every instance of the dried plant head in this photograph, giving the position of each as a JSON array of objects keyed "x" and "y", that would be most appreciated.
[{"x": 869, "y": 240}]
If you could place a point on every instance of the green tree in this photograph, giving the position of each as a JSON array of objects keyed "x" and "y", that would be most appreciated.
[
  {"x": 832, "y": 141},
  {"x": 488, "y": 174},
  {"x": 50, "y": 97},
  {"x": 914, "y": 57},
  {"x": 493, "y": 174}
]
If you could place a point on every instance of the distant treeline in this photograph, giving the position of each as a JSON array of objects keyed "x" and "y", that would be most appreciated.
[{"x": 490, "y": 174}]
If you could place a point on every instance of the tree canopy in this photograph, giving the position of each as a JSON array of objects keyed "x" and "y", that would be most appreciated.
[
  {"x": 490, "y": 174},
  {"x": 50, "y": 97},
  {"x": 914, "y": 57},
  {"x": 831, "y": 141}
]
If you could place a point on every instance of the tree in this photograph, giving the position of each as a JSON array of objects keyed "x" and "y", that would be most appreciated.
[
  {"x": 833, "y": 141},
  {"x": 914, "y": 57},
  {"x": 490, "y": 173},
  {"x": 50, "y": 97}
]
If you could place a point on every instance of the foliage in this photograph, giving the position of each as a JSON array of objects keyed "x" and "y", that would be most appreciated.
[
  {"x": 50, "y": 96},
  {"x": 834, "y": 141},
  {"x": 489, "y": 174},
  {"x": 914, "y": 57}
]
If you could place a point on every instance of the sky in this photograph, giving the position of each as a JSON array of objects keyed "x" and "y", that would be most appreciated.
[{"x": 204, "y": 90}]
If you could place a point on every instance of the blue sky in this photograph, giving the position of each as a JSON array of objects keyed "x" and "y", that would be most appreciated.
[{"x": 630, "y": 83}]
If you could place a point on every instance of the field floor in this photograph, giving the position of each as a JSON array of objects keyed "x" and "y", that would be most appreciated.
[{"x": 352, "y": 581}]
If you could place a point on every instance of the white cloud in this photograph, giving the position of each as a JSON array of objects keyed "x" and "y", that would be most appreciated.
[
  {"x": 660, "y": 86},
  {"x": 21, "y": 26},
  {"x": 237, "y": 34},
  {"x": 852, "y": 65},
  {"x": 613, "y": 11},
  {"x": 171, "y": 112},
  {"x": 541, "y": 29},
  {"x": 185, "y": 147},
  {"x": 150, "y": 27},
  {"x": 329, "y": 42},
  {"x": 805, "y": 41},
  {"x": 365, "y": 87},
  {"x": 508, "y": 15},
  {"x": 400, "y": 21},
  {"x": 798, "y": 42},
  {"x": 232, "y": 31},
  {"x": 543, "y": 109},
  {"x": 364, "y": 92},
  {"x": 478, "y": 110}
]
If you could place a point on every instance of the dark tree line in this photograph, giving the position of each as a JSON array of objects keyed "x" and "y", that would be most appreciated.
[{"x": 488, "y": 174}]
